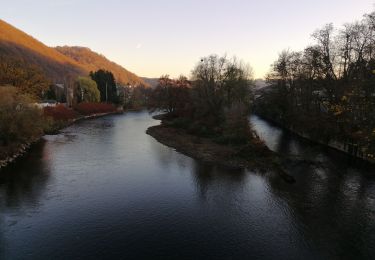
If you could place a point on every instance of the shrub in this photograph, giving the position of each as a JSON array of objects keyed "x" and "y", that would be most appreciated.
[
  {"x": 19, "y": 120},
  {"x": 200, "y": 129},
  {"x": 236, "y": 127},
  {"x": 181, "y": 122},
  {"x": 60, "y": 113},
  {"x": 87, "y": 108}
]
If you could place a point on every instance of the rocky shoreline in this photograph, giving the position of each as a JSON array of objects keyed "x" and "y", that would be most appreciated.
[
  {"x": 18, "y": 151},
  {"x": 208, "y": 151}
]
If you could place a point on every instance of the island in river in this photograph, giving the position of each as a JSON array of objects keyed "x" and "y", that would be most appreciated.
[{"x": 257, "y": 156}]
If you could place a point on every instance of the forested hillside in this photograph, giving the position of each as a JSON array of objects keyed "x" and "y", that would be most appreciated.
[
  {"x": 31, "y": 66},
  {"x": 19, "y": 45},
  {"x": 92, "y": 61}
]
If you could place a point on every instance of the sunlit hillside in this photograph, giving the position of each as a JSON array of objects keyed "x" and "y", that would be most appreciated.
[
  {"x": 92, "y": 61},
  {"x": 57, "y": 64},
  {"x": 15, "y": 44}
]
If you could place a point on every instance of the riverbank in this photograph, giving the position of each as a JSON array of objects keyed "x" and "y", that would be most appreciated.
[
  {"x": 206, "y": 150},
  {"x": 349, "y": 149},
  {"x": 12, "y": 152},
  {"x": 97, "y": 115}
]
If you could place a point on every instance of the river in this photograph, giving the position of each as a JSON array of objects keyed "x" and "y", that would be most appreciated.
[{"x": 104, "y": 189}]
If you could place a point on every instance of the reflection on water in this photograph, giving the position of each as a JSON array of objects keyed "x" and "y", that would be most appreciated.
[
  {"x": 105, "y": 189},
  {"x": 22, "y": 183},
  {"x": 207, "y": 177},
  {"x": 334, "y": 200},
  {"x": 21, "y": 186}
]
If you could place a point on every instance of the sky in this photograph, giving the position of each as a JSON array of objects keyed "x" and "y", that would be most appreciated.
[{"x": 156, "y": 37}]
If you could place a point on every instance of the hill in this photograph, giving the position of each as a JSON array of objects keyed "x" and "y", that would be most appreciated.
[
  {"x": 16, "y": 45},
  {"x": 22, "y": 53},
  {"x": 92, "y": 61},
  {"x": 153, "y": 82}
]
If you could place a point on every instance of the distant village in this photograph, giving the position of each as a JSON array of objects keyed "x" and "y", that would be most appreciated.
[{"x": 60, "y": 93}]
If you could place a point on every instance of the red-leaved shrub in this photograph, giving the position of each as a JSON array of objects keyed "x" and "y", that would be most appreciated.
[
  {"x": 60, "y": 113},
  {"x": 86, "y": 108}
]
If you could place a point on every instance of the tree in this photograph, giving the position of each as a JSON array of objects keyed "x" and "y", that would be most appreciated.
[
  {"x": 28, "y": 78},
  {"x": 137, "y": 97},
  {"x": 324, "y": 38},
  {"x": 86, "y": 90},
  {"x": 331, "y": 82},
  {"x": 106, "y": 84},
  {"x": 219, "y": 82},
  {"x": 170, "y": 95},
  {"x": 19, "y": 120},
  {"x": 215, "y": 102}
]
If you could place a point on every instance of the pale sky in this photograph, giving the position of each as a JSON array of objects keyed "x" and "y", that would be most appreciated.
[{"x": 155, "y": 37}]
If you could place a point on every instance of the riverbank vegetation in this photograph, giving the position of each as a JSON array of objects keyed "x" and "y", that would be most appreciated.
[
  {"x": 60, "y": 116},
  {"x": 23, "y": 120},
  {"x": 130, "y": 97},
  {"x": 86, "y": 90},
  {"x": 213, "y": 106},
  {"x": 25, "y": 117},
  {"x": 20, "y": 122},
  {"x": 326, "y": 91}
]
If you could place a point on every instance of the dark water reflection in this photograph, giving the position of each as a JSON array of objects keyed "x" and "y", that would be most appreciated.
[
  {"x": 22, "y": 184},
  {"x": 105, "y": 189},
  {"x": 333, "y": 199}
]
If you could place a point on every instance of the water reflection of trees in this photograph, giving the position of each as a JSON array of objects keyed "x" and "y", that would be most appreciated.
[
  {"x": 224, "y": 181},
  {"x": 22, "y": 183},
  {"x": 333, "y": 207}
]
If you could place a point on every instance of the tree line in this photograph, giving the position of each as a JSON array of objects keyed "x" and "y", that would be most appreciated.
[
  {"x": 327, "y": 90},
  {"x": 214, "y": 102},
  {"x": 22, "y": 86}
]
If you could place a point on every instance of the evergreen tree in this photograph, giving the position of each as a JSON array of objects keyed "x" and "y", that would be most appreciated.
[{"x": 106, "y": 84}]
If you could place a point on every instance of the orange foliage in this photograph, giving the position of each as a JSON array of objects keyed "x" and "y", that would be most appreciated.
[
  {"x": 20, "y": 46},
  {"x": 61, "y": 63},
  {"x": 94, "y": 108},
  {"x": 60, "y": 113},
  {"x": 92, "y": 61}
]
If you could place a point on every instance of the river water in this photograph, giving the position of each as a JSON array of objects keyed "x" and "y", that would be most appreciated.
[{"x": 104, "y": 189}]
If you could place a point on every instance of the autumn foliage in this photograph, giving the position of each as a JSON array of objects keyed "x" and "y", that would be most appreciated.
[
  {"x": 171, "y": 95},
  {"x": 58, "y": 65},
  {"x": 60, "y": 113},
  {"x": 214, "y": 103},
  {"x": 19, "y": 121},
  {"x": 87, "y": 108},
  {"x": 92, "y": 61}
]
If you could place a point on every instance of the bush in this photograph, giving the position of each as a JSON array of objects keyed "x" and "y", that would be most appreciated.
[
  {"x": 181, "y": 122},
  {"x": 94, "y": 108},
  {"x": 236, "y": 127},
  {"x": 200, "y": 129},
  {"x": 60, "y": 113},
  {"x": 19, "y": 120}
]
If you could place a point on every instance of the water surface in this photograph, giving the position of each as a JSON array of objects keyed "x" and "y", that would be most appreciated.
[{"x": 104, "y": 189}]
